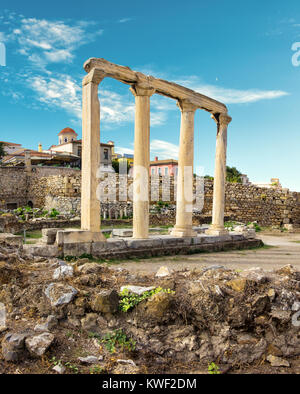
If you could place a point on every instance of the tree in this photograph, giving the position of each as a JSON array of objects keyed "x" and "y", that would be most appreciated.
[
  {"x": 116, "y": 166},
  {"x": 2, "y": 151},
  {"x": 233, "y": 175}
]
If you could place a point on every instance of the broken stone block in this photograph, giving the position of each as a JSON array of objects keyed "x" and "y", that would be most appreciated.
[
  {"x": 88, "y": 360},
  {"x": 238, "y": 284},
  {"x": 122, "y": 232},
  {"x": 89, "y": 322},
  {"x": 90, "y": 268},
  {"x": 13, "y": 348},
  {"x": 49, "y": 235},
  {"x": 277, "y": 361},
  {"x": 156, "y": 306},
  {"x": 107, "y": 301},
  {"x": 38, "y": 344},
  {"x": 136, "y": 289},
  {"x": 64, "y": 271},
  {"x": 163, "y": 271},
  {"x": 11, "y": 239},
  {"x": 60, "y": 293},
  {"x": 59, "y": 369},
  {"x": 49, "y": 324}
]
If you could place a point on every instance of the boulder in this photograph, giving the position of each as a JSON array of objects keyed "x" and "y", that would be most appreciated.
[
  {"x": 156, "y": 306},
  {"x": 277, "y": 361},
  {"x": 60, "y": 293},
  {"x": 163, "y": 271},
  {"x": 136, "y": 289},
  {"x": 64, "y": 271},
  {"x": 107, "y": 301},
  {"x": 89, "y": 322},
  {"x": 90, "y": 268},
  {"x": 38, "y": 344},
  {"x": 49, "y": 324},
  {"x": 13, "y": 348}
]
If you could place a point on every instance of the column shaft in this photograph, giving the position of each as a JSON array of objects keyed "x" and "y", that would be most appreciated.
[
  {"x": 184, "y": 202},
  {"x": 90, "y": 204},
  {"x": 217, "y": 227},
  {"x": 141, "y": 161}
]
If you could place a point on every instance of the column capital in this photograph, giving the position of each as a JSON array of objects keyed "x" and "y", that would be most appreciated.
[
  {"x": 221, "y": 119},
  {"x": 141, "y": 90},
  {"x": 224, "y": 119},
  {"x": 95, "y": 76},
  {"x": 186, "y": 106}
]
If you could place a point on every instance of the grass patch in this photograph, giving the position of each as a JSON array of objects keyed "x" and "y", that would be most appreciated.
[
  {"x": 36, "y": 234},
  {"x": 296, "y": 242}
]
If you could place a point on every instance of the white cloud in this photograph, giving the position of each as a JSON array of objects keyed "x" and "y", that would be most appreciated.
[
  {"x": 230, "y": 96},
  {"x": 164, "y": 149},
  {"x": 62, "y": 92},
  {"x": 44, "y": 41},
  {"x": 121, "y": 150},
  {"x": 160, "y": 148},
  {"x": 124, "y": 20}
]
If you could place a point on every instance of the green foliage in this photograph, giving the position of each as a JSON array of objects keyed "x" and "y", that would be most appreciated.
[
  {"x": 70, "y": 258},
  {"x": 118, "y": 340},
  {"x": 96, "y": 370},
  {"x": 213, "y": 369},
  {"x": 53, "y": 213},
  {"x": 130, "y": 300},
  {"x": 159, "y": 205},
  {"x": 230, "y": 224},
  {"x": 116, "y": 166},
  {"x": 86, "y": 256},
  {"x": 72, "y": 367},
  {"x": 233, "y": 175},
  {"x": 211, "y": 178},
  {"x": 256, "y": 227}
]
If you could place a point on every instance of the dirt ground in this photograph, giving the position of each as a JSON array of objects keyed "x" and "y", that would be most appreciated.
[{"x": 280, "y": 249}]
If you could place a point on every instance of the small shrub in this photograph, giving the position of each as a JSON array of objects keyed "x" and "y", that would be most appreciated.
[
  {"x": 213, "y": 369},
  {"x": 130, "y": 300},
  {"x": 118, "y": 340}
]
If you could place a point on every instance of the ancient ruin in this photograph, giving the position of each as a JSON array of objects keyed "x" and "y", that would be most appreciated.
[{"x": 143, "y": 87}]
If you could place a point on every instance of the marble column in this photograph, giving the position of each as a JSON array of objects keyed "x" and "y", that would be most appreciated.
[
  {"x": 141, "y": 161},
  {"x": 90, "y": 204},
  {"x": 217, "y": 226},
  {"x": 184, "y": 202}
]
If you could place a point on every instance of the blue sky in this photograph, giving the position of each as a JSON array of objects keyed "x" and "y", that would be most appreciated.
[{"x": 237, "y": 52}]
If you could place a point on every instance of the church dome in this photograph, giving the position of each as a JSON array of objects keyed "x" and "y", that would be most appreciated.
[{"x": 67, "y": 130}]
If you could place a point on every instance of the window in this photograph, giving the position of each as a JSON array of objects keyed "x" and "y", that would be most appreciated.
[
  {"x": 176, "y": 170},
  {"x": 166, "y": 170},
  {"x": 105, "y": 154},
  {"x": 66, "y": 139},
  {"x": 152, "y": 171},
  {"x": 159, "y": 171}
]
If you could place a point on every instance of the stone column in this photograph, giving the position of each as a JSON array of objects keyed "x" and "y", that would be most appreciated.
[
  {"x": 217, "y": 226},
  {"x": 27, "y": 159},
  {"x": 90, "y": 204},
  {"x": 141, "y": 160},
  {"x": 184, "y": 200}
]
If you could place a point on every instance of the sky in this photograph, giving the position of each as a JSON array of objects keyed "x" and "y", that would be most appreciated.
[{"x": 244, "y": 54}]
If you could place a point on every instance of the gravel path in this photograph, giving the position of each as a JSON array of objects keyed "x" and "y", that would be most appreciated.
[{"x": 283, "y": 250}]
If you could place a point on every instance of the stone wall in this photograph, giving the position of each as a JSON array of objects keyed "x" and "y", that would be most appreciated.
[
  {"x": 13, "y": 187},
  {"x": 60, "y": 188}
]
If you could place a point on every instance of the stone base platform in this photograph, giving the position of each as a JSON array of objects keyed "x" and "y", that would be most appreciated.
[{"x": 156, "y": 245}]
